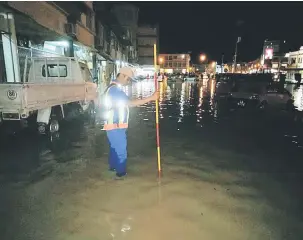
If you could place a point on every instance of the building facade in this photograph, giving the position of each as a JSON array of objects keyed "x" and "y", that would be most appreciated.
[
  {"x": 147, "y": 36},
  {"x": 273, "y": 55},
  {"x": 295, "y": 65},
  {"x": 111, "y": 41},
  {"x": 174, "y": 63},
  {"x": 74, "y": 29},
  {"x": 127, "y": 16}
]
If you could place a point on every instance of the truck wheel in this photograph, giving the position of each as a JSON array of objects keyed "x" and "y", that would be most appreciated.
[
  {"x": 53, "y": 126},
  {"x": 56, "y": 116}
]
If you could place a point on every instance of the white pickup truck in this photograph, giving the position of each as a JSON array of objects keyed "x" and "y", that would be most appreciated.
[{"x": 48, "y": 86}]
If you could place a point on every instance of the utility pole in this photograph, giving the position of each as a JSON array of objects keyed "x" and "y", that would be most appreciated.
[
  {"x": 236, "y": 51},
  {"x": 222, "y": 63}
]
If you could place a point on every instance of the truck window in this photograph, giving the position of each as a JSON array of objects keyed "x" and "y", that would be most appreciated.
[{"x": 53, "y": 70}]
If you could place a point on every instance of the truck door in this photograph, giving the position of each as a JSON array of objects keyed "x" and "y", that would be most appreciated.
[{"x": 90, "y": 86}]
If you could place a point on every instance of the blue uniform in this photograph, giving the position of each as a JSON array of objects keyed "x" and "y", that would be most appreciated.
[{"x": 116, "y": 126}]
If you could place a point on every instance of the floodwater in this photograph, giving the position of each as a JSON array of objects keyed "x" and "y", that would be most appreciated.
[{"x": 227, "y": 174}]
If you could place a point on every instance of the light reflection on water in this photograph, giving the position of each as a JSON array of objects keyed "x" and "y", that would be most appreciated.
[
  {"x": 190, "y": 107},
  {"x": 297, "y": 93},
  {"x": 179, "y": 103}
]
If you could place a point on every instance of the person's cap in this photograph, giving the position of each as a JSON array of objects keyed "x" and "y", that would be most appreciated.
[{"x": 127, "y": 71}]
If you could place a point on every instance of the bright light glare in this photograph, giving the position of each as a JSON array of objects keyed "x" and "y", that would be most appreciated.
[{"x": 202, "y": 58}]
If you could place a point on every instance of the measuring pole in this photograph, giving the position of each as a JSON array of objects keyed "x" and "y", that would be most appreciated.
[
  {"x": 222, "y": 62},
  {"x": 157, "y": 112}
]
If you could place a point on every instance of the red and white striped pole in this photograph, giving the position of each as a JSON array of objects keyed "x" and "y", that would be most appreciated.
[{"x": 157, "y": 112}]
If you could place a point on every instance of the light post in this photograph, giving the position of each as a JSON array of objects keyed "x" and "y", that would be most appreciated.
[
  {"x": 202, "y": 60},
  {"x": 236, "y": 52},
  {"x": 222, "y": 63}
]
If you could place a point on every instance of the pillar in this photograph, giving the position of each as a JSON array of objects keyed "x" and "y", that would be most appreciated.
[{"x": 10, "y": 50}]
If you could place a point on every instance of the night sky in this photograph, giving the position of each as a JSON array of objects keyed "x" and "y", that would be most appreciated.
[{"x": 213, "y": 27}]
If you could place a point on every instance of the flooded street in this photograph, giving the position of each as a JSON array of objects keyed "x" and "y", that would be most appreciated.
[{"x": 227, "y": 174}]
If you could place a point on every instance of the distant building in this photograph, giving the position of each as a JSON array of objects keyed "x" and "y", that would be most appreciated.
[
  {"x": 147, "y": 36},
  {"x": 273, "y": 54},
  {"x": 295, "y": 64},
  {"x": 174, "y": 63}
]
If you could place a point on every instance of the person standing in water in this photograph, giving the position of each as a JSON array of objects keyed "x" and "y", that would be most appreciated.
[{"x": 116, "y": 123}]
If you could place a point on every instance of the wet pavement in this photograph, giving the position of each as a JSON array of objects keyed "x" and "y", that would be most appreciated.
[{"x": 227, "y": 174}]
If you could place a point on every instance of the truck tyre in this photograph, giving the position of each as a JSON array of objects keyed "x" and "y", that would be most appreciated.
[
  {"x": 54, "y": 126},
  {"x": 54, "y": 121}
]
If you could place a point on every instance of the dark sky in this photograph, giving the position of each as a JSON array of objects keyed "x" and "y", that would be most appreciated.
[{"x": 213, "y": 27}]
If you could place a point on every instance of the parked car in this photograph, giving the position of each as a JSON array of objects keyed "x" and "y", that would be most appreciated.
[
  {"x": 271, "y": 97},
  {"x": 276, "y": 97}
]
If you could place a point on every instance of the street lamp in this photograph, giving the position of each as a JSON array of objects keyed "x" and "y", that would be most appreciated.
[
  {"x": 160, "y": 60},
  {"x": 202, "y": 57}
]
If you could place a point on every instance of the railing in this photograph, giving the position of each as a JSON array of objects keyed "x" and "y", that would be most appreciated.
[
  {"x": 23, "y": 54},
  {"x": 36, "y": 76}
]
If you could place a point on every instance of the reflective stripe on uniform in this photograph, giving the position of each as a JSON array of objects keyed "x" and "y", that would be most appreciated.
[
  {"x": 122, "y": 107},
  {"x": 115, "y": 126}
]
